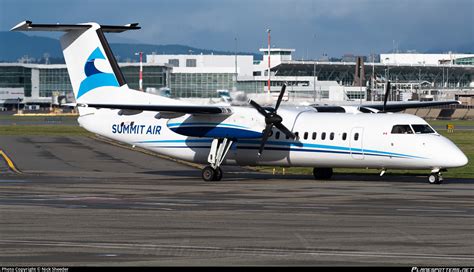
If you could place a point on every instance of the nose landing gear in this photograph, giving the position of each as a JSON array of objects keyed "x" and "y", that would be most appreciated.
[{"x": 435, "y": 177}]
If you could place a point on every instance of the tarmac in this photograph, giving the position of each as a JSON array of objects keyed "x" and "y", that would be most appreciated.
[{"x": 79, "y": 201}]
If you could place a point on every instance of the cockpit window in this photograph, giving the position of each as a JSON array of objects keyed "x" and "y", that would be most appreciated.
[
  {"x": 402, "y": 129},
  {"x": 422, "y": 129}
]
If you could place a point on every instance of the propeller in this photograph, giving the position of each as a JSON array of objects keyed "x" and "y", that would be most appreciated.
[
  {"x": 387, "y": 93},
  {"x": 272, "y": 119}
]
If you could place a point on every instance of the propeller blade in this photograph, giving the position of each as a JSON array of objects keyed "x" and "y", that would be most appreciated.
[
  {"x": 280, "y": 97},
  {"x": 259, "y": 108},
  {"x": 387, "y": 93},
  {"x": 286, "y": 131},
  {"x": 266, "y": 134}
]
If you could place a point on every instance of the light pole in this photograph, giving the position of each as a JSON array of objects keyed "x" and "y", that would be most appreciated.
[
  {"x": 314, "y": 74},
  {"x": 140, "y": 81},
  {"x": 235, "y": 79},
  {"x": 314, "y": 81},
  {"x": 447, "y": 77},
  {"x": 372, "y": 91},
  {"x": 268, "y": 32}
]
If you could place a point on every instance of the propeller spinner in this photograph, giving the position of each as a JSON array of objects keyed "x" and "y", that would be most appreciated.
[{"x": 272, "y": 119}]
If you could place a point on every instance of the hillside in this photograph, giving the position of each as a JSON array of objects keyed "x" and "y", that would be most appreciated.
[{"x": 15, "y": 45}]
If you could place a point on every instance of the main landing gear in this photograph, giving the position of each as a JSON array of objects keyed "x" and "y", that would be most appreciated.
[
  {"x": 211, "y": 174},
  {"x": 322, "y": 173},
  {"x": 435, "y": 177},
  {"x": 219, "y": 149}
]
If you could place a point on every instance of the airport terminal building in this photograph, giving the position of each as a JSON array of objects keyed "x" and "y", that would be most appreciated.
[
  {"x": 42, "y": 84},
  {"x": 413, "y": 77}
]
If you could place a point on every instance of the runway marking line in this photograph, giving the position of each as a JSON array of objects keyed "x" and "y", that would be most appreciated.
[
  {"x": 430, "y": 210},
  {"x": 244, "y": 250},
  {"x": 9, "y": 162}
]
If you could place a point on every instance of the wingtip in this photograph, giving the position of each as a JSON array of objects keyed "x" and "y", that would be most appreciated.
[
  {"x": 133, "y": 25},
  {"x": 21, "y": 26}
]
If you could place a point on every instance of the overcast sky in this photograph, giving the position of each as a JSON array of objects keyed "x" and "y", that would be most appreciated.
[{"x": 314, "y": 27}]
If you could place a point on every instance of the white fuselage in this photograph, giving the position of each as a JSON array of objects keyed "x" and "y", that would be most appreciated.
[
  {"x": 233, "y": 135},
  {"x": 351, "y": 140}
]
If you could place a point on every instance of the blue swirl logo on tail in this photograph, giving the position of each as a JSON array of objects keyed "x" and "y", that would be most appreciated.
[{"x": 95, "y": 78}]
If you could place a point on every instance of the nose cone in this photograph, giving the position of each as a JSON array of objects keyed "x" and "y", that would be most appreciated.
[
  {"x": 452, "y": 156},
  {"x": 458, "y": 159}
]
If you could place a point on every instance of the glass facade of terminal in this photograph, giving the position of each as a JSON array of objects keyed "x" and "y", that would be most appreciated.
[
  {"x": 354, "y": 95},
  {"x": 44, "y": 80},
  {"x": 16, "y": 77},
  {"x": 464, "y": 61},
  {"x": 251, "y": 86},
  {"x": 200, "y": 84},
  {"x": 53, "y": 80},
  {"x": 437, "y": 76},
  {"x": 153, "y": 76}
]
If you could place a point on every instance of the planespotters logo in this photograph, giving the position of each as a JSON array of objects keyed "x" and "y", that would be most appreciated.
[
  {"x": 442, "y": 269},
  {"x": 95, "y": 78}
]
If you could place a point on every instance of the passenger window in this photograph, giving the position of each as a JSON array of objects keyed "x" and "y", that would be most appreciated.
[
  {"x": 277, "y": 135},
  {"x": 402, "y": 129},
  {"x": 344, "y": 136},
  {"x": 331, "y": 136},
  {"x": 297, "y": 135},
  {"x": 323, "y": 136},
  {"x": 306, "y": 135},
  {"x": 356, "y": 137},
  {"x": 314, "y": 135}
]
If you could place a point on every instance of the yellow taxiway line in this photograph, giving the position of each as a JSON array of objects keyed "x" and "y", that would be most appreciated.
[{"x": 10, "y": 163}]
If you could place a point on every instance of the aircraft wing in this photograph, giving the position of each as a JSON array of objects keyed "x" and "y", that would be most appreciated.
[
  {"x": 185, "y": 109},
  {"x": 394, "y": 107}
]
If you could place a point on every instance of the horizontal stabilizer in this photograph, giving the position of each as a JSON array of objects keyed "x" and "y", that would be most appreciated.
[{"x": 29, "y": 26}]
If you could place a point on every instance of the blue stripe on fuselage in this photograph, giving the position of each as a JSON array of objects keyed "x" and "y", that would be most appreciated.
[
  {"x": 307, "y": 145},
  {"x": 286, "y": 146},
  {"x": 202, "y": 124},
  {"x": 216, "y": 132}
]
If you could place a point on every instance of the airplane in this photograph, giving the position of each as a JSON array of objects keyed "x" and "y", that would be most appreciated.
[{"x": 249, "y": 135}]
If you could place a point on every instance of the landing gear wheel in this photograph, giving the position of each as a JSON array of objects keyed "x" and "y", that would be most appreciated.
[
  {"x": 217, "y": 174},
  {"x": 216, "y": 157},
  {"x": 435, "y": 178},
  {"x": 208, "y": 173},
  {"x": 322, "y": 173}
]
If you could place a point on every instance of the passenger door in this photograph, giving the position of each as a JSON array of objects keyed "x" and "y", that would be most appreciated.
[{"x": 356, "y": 143}]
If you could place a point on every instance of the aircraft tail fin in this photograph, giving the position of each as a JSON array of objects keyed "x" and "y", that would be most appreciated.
[{"x": 89, "y": 59}]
